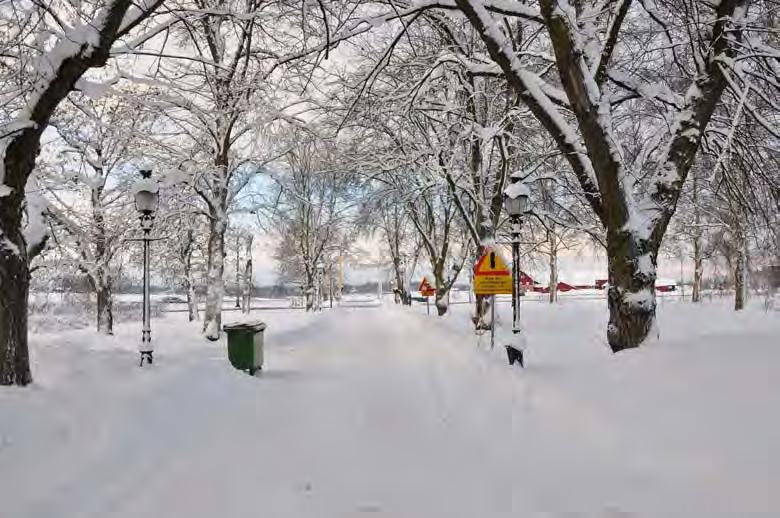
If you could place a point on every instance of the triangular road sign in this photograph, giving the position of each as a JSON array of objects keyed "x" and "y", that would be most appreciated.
[
  {"x": 425, "y": 288},
  {"x": 491, "y": 263},
  {"x": 492, "y": 276}
]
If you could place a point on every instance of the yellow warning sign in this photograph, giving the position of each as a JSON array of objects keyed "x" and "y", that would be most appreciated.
[{"x": 492, "y": 275}]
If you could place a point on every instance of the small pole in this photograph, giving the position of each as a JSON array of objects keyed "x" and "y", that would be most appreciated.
[
  {"x": 682, "y": 279},
  {"x": 238, "y": 274},
  {"x": 341, "y": 276},
  {"x": 428, "y": 304},
  {"x": 492, "y": 321}
]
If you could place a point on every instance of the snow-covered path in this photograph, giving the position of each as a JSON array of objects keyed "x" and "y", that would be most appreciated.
[{"x": 368, "y": 411}]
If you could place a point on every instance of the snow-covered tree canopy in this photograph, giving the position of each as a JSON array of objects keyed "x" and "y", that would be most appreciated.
[{"x": 409, "y": 116}]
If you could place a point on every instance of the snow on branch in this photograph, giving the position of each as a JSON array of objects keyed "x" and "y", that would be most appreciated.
[
  {"x": 531, "y": 91},
  {"x": 35, "y": 232},
  {"x": 690, "y": 122}
]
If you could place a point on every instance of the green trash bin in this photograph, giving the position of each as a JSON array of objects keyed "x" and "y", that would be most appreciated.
[{"x": 245, "y": 345}]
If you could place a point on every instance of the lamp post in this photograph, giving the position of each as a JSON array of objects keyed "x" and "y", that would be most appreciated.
[
  {"x": 516, "y": 204},
  {"x": 146, "y": 194},
  {"x": 402, "y": 272},
  {"x": 407, "y": 278},
  {"x": 318, "y": 293}
]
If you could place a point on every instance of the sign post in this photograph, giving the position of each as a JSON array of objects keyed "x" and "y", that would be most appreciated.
[
  {"x": 492, "y": 277},
  {"x": 492, "y": 321},
  {"x": 426, "y": 290}
]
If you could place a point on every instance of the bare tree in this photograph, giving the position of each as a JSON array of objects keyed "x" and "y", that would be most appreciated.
[
  {"x": 313, "y": 215},
  {"x": 634, "y": 198},
  {"x": 44, "y": 57},
  {"x": 97, "y": 142}
]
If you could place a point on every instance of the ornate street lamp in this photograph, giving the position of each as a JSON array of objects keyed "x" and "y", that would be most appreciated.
[
  {"x": 516, "y": 196},
  {"x": 146, "y": 194}
]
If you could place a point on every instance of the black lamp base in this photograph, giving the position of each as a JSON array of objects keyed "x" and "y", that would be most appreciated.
[
  {"x": 514, "y": 355},
  {"x": 146, "y": 356}
]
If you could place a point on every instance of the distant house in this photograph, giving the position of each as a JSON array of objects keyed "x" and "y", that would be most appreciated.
[
  {"x": 564, "y": 287},
  {"x": 665, "y": 285},
  {"x": 526, "y": 280},
  {"x": 661, "y": 285}
]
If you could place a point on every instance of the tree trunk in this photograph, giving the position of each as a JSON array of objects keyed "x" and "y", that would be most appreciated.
[
  {"x": 14, "y": 277},
  {"x": 247, "y": 288},
  {"x": 189, "y": 287},
  {"x": 14, "y": 286},
  {"x": 740, "y": 274},
  {"x": 442, "y": 302},
  {"x": 215, "y": 287},
  {"x": 697, "y": 255},
  {"x": 309, "y": 295},
  {"x": 308, "y": 291},
  {"x": 697, "y": 269},
  {"x": 481, "y": 317},
  {"x": 192, "y": 298},
  {"x": 441, "y": 288},
  {"x": 247, "y": 279},
  {"x": 185, "y": 255},
  {"x": 399, "y": 281},
  {"x": 631, "y": 294},
  {"x": 553, "y": 266},
  {"x": 105, "y": 313}
]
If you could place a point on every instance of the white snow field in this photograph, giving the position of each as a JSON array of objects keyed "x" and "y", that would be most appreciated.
[{"x": 383, "y": 411}]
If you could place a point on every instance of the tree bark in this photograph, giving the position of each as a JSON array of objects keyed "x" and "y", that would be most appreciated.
[
  {"x": 481, "y": 317},
  {"x": 188, "y": 282},
  {"x": 14, "y": 286},
  {"x": 442, "y": 288},
  {"x": 740, "y": 273},
  {"x": 14, "y": 266},
  {"x": 192, "y": 298},
  {"x": 105, "y": 313},
  {"x": 399, "y": 280},
  {"x": 697, "y": 235},
  {"x": 697, "y": 269},
  {"x": 247, "y": 279},
  {"x": 247, "y": 291},
  {"x": 631, "y": 294},
  {"x": 553, "y": 266},
  {"x": 308, "y": 291},
  {"x": 212, "y": 320}
]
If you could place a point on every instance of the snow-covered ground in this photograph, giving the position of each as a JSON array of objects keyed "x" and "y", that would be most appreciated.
[{"x": 388, "y": 412}]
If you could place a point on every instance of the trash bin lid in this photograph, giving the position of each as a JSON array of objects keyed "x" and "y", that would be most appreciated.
[{"x": 255, "y": 326}]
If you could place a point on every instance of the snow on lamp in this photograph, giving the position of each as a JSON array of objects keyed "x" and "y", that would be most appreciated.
[
  {"x": 516, "y": 197},
  {"x": 146, "y": 195}
]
